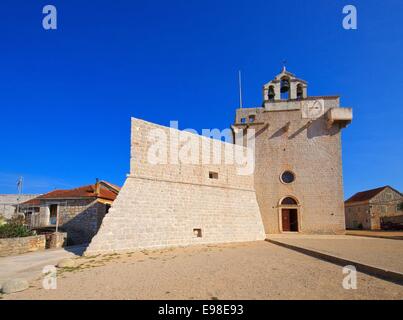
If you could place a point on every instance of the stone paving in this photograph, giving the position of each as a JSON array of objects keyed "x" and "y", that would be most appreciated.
[
  {"x": 30, "y": 265},
  {"x": 381, "y": 253}
]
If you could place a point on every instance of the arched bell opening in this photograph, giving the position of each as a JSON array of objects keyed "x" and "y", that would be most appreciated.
[
  {"x": 300, "y": 91},
  {"x": 271, "y": 93},
  {"x": 285, "y": 88}
]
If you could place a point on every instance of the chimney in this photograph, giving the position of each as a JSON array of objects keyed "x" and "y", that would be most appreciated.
[{"x": 97, "y": 187}]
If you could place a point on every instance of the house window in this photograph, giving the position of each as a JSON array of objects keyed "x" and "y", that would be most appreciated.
[
  {"x": 243, "y": 120},
  {"x": 287, "y": 177},
  {"x": 213, "y": 175},
  {"x": 252, "y": 118},
  {"x": 399, "y": 206},
  {"x": 53, "y": 214}
]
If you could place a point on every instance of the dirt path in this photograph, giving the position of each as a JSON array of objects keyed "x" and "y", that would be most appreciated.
[
  {"x": 257, "y": 270},
  {"x": 29, "y": 265}
]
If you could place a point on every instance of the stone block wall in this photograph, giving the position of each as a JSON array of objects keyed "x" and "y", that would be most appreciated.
[
  {"x": 394, "y": 220},
  {"x": 211, "y": 155},
  {"x": 15, "y": 246},
  {"x": 81, "y": 219},
  {"x": 178, "y": 204},
  {"x": 358, "y": 216}
]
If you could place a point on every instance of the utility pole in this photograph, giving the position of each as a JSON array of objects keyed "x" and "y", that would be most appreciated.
[{"x": 19, "y": 186}]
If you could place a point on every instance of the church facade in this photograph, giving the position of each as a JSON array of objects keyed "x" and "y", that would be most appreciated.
[
  {"x": 298, "y": 167},
  {"x": 296, "y": 185}
]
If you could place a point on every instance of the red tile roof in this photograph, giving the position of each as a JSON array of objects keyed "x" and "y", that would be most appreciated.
[
  {"x": 33, "y": 202},
  {"x": 366, "y": 195},
  {"x": 107, "y": 191}
]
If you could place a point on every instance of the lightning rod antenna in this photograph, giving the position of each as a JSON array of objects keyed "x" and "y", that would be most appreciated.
[{"x": 240, "y": 89}]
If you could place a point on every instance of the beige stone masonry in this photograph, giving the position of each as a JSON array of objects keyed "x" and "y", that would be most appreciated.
[
  {"x": 178, "y": 204},
  {"x": 15, "y": 246}
]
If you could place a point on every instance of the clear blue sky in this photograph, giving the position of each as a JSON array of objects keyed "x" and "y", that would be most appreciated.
[{"x": 66, "y": 96}]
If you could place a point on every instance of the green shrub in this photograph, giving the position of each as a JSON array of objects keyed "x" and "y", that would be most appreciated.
[{"x": 15, "y": 228}]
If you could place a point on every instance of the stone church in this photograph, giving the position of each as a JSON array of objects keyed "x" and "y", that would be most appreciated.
[
  {"x": 298, "y": 172},
  {"x": 296, "y": 185}
]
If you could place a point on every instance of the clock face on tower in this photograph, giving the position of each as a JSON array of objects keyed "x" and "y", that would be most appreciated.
[{"x": 313, "y": 109}]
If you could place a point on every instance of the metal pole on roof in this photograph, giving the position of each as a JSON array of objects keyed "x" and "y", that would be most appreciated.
[
  {"x": 19, "y": 186},
  {"x": 284, "y": 65},
  {"x": 240, "y": 89}
]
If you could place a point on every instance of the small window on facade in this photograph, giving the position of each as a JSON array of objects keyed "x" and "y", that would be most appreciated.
[
  {"x": 289, "y": 201},
  {"x": 213, "y": 175},
  {"x": 197, "y": 233},
  {"x": 243, "y": 120},
  {"x": 399, "y": 207},
  {"x": 252, "y": 118},
  {"x": 287, "y": 177},
  {"x": 107, "y": 207}
]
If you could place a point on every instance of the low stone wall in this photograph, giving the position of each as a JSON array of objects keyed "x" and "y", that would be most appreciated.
[
  {"x": 395, "y": 222},
  {"x": 56, "y": 240},
  {"x": 15, "y": 246}
]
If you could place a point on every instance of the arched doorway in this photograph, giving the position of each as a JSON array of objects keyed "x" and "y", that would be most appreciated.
[{"x": 289, "y": 215}]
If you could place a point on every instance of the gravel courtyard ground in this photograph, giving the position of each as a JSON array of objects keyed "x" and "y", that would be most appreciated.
[
  {"x": 257, "y": 270},
  {"x": 382, "y": 253},
  {"x": 398, "y": 235}
]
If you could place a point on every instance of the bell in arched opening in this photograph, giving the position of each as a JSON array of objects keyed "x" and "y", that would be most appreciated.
[
  {"x": 285, "y": 85},
  {"x": 300, "y": 92},
  {"x": 271, "y": 93}
]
